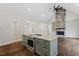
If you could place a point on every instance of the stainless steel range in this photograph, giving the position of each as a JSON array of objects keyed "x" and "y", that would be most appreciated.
[{"x": 29, "y": 42}]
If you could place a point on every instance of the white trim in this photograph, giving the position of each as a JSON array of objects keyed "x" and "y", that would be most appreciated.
[
  {"x": 71, "y": 37},
  {"x": 6, "y": 43}
]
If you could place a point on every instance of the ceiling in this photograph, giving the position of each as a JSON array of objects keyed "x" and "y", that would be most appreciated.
[
  {"x": 33, "y": 11},
  {"x": 72, "y": 7}
]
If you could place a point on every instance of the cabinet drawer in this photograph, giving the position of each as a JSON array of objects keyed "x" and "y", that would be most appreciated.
[
  {"x": 24, "y": 40},
  {"x": 23, "y": 36},
  {"x": 46, "y": 48},
  {"x": 46, "y": 45},
  {"x": 46, "y": 42},
  {"x": 38, "y": 41},
  {"x": 38, "y": 46},
  {"x": 25, "y": 44},
  {"x": 38, "y": 49},
  {"x": 45, "y": 53}
]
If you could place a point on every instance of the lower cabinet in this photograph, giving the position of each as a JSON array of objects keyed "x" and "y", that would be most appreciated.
[
  {"x": 24, "y": 38},
  {"x": 46, "y": 48},
  {"x": 38, "y": 46}
]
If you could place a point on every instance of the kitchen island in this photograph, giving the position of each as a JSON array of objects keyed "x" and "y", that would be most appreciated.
[{"x": 45, "y": 45}]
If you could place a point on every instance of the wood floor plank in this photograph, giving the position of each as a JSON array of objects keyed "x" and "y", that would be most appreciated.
[
  {"x": 15, "y": 49},
  {"x": 68, "y": 46}
]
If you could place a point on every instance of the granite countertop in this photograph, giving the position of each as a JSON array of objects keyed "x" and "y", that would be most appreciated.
[
  {"x": 45, "y": 37},
  {"x": 48, "y": 37}
]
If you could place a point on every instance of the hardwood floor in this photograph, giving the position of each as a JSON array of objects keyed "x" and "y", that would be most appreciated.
[
  {"x": 66, "y": 47},
  {"x": 14, "y": 49}
]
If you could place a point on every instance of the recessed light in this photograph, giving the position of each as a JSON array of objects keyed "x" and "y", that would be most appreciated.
[
  {"x": 29, "y": 9},
  {"x": 42, "y": 15}
]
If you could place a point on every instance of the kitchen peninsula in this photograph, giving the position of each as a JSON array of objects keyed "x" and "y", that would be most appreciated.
[{"x": 45, "y": 45}]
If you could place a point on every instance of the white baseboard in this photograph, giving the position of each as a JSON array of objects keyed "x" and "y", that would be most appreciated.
[
  {"x": 6, "y": 43},
  {"x": 71, "y": 37}
]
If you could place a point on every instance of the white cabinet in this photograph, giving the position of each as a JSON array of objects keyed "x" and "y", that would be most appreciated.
[
  {"x": 46, "y": 48},
  {"x": 43, "y": 47}
]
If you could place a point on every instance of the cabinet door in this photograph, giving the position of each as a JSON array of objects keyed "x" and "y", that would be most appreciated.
[
  {"x": 45, "y": 52},
  {"x": 38, "y": 46},
  {"x": 24, "y": 38},
  {"x": 45, "y": 48}
]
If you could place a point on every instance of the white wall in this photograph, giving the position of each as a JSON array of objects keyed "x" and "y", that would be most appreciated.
[
  {"x": 72, "y": 25},
  {"x": 31, "y": 27},
  {"x": 72, "y": 28},
  {"x": 4, "y": 30},
  {"x": 71, "y": 16},
  {"x": 9, "y": 30}
]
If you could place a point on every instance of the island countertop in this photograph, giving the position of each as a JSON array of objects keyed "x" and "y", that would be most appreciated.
[
  {"x": 48, "y": 37},
  {"x": 45, "y": 37}
]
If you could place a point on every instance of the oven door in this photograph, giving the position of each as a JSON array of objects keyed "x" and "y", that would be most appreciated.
[{"x": 30, "y": 44}]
